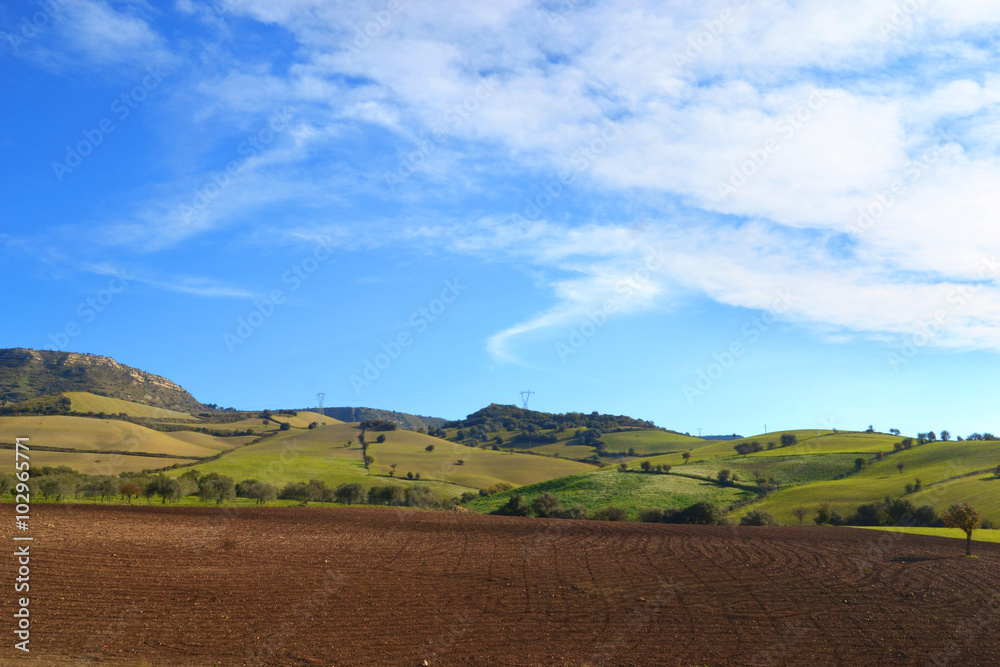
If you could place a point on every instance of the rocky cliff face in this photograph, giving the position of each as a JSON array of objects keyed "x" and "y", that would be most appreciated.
[{"x": 26, "y": 373}]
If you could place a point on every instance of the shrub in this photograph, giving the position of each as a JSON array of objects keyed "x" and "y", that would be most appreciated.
[
  {"x": 651, "y": 515},
  {"x": 758, "y": 518},
  {"x": 515, "y": 507},
  {"x": 701, "y": 513},
  {"x": 869, "y": 514},
  {"x": 393, "y": 494},
  {"x": 380, "y": 438},
  {"x": 723, "y": 476},
  {"x": 788, "y": 439},
  {"x": 546, "y": 505},
  {"x": 420, "y": 496},
  {"x": 350, "y": 493},
  {"x": 611, "y": 514},
  {"x": 822, "y": 514}
]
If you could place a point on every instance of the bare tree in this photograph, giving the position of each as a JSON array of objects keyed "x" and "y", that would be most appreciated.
[{"x": 800, "y": 513}]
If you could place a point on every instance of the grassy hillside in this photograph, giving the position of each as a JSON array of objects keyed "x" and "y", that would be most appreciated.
[
  {"x": 320, "y": 453},
  {"x": 631, "y": 492},
  {"x": 81, "y": 401},
  {"x": 650, "y": 441},
  {"x": 931, "y": 463},
  {"x": 83, "y": 433}
]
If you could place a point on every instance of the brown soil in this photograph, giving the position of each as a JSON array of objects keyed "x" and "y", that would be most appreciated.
[{"x": 311, "y": 586}]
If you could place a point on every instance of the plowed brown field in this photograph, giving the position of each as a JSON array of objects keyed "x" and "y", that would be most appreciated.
[{"x": 313, "y": 586}]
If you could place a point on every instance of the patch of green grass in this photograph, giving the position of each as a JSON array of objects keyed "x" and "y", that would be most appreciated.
[
  {"x": 82, "y": 401},
  {"x": 650, "y": 442},
  {"x": 632, "y": 492},
  {"x": 980, "y": 535},
  {"x": 788, "y": 470}
]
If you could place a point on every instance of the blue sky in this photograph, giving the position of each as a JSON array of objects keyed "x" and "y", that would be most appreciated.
[{"x": 717, "y": 215}]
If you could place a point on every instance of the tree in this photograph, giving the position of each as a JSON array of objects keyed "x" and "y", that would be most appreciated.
[
  {"x": 369, "y": 460},
  {"x": 822, "y": 514},
  {"x": 610, "y": 514},
  {"x": 894, "y": 431},
  {"x": 429, "y": 448},
  {"x": 262, "y": 492},
  {"x": 686, "y": 456},
  {"x": 392, "y": 470},
  {"x": 723, "y": 476},
  {"x": 546, "y": 505},
  {"x": 996, "y": 471},
  {"x": 945, "y": 435},
  {"x": 965, "y": 517},
  {"x": 219, "y": 488},
  {"x": 646, "y": 466},
  {"x": 623, "y": 467},
  {"x": 759, "y": 518},
  {"x": 284, "y": 426},
  {"x": 351, "y": 493},
  {"x": 859, "y": 463},
  {"x": 800, "y": 513},
  {"x": 788, "y": 439},
  {"x": 130, "y": 489},
  {"x": 743, "y": 448},
  {"x": 900, "y": 466},
  {"x": 515, "y": 507},
  {"x": 381, "y": 438}
]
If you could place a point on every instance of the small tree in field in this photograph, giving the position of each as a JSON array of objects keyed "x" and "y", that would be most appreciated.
[
  {"x": 900, "y": 466},
  {"x": 623, "y": 467},
  {"x": 967, "y": 518},
  {"x": 800, "y": 513},
  {"x": 723, "y": 476},
  {"x": 686, "y": 456}
]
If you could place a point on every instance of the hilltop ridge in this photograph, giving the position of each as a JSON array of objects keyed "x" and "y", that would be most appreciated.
[{"x": 26, "y": 373}]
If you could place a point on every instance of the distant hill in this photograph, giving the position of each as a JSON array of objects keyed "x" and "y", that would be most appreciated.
[
  {"x": 26, "y": 374},
  {"x": 511, "y": 416},
  {"x": 405, "y": 420},
  {"x": 722, "y": 437}
]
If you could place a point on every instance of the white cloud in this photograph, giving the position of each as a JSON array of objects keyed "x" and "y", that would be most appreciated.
[{"x": 844, "y": 99}]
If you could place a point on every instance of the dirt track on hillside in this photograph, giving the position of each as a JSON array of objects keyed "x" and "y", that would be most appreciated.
[{"x": 312, "y": 586}]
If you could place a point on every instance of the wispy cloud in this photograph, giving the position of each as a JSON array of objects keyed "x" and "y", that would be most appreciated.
[{"x": 813, "y": 115}]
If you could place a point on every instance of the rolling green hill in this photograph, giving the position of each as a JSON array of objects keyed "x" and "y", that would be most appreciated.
[
  {"x": 631, "y": 492},
  {"x": 81, "y": 401},
  {"x": 320, "y": 454}
]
